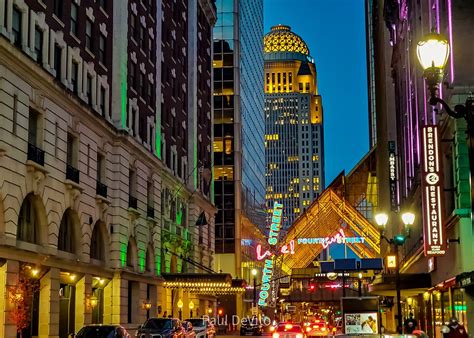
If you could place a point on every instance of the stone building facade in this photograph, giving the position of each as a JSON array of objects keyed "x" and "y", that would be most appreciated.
[{"x": 91, "y": 211}]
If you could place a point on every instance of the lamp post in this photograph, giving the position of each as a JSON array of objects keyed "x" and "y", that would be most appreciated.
[
  {"x": 180, "y": 307},
  {"x": 191, "y": 307},
  {"x": 433, "y": 53},
  {"x": 408, "y": 219},
  {"x": 254, "y": 274}
]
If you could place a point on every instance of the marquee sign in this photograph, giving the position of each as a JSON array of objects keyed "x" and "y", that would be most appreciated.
[
  {"x": 339, "y": 238},
  {"x": 432, "y": 194},
  {"x": 267, "y": 273}
]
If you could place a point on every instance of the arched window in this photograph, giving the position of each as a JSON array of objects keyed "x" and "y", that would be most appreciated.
[
  {"x": 97, "y": 244},
  {"x": 28, "y": 229},
  {"x": 66, "y": 240}
]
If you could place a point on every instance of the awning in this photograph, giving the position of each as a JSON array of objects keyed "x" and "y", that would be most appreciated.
[
  {"x": 206, "y": 284},
  {"x": 410, "y": 284}
]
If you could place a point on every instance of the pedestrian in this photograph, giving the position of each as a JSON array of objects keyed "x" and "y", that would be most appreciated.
[
  {"x": 454, "y": 329},
  {"x": 410, "y": 324}
]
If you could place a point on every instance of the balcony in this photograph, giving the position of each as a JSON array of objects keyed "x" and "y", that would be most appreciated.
[
  {"x": 150, "y": 212},
  {"x": 101, "y": 189},
  {"x": 72, "y": 174},
  {"x": 132, "y": 202},
  {"x": 35, "y": 154}
]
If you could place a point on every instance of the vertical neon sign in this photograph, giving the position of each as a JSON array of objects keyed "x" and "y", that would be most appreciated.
[{"x": 267, "y": 272}]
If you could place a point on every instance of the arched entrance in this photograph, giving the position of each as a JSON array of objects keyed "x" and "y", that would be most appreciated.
[{"x": 69, "y": 237}]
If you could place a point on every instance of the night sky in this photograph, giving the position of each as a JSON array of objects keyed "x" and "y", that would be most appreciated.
[{"x": 335, "y": 33}]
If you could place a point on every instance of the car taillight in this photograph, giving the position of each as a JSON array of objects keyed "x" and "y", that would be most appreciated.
[
  {"x": 308, "y": 329},
  {"x": 288, "y": 326},
  {"x": 275, "y": 335},
  {"x": 299, "y": 335}
]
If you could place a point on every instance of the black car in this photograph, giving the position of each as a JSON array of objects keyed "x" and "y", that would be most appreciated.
[
  {"x": 252, "y": 326},
  {"x": 102, "y": 331},
  {"x": 161, "y": 328}
]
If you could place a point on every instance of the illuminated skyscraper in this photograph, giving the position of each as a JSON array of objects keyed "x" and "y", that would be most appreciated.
[{"x": 294, "y": 150}]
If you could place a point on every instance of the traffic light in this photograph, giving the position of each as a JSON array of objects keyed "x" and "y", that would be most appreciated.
[{"x": 399, "y": 239}]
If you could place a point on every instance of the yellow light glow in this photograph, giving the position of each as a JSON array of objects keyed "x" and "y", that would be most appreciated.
[
  {"x": 180, "y": 304},
  {"x": 282, "y": 39},
  {"x": 381, "y": 219},
  {"x": 408, "y": 218},
  {"x": 391, "y": 261},
  {"x": 433, "y": 51}
]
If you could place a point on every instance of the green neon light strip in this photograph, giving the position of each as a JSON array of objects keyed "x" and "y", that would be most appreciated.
[{"x": 123, "y": 254}]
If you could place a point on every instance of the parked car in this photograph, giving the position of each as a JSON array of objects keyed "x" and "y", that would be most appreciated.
[
  {"x": 161, "y": 328},
  {"x": 188, "y": 329},
  {"x": 102, "y": 331},
  {"x": 203, "y": 327},
  {"x": 289, "y": 330},
  {"x": 252, "y": 326}
]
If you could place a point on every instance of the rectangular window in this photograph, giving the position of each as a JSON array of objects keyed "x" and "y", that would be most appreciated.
[
  {"x": 71, "y": 149},
  {"x": 33, "y": 128},
  {"x": 102, "y": 42},
  {"x": 133, "y": 26},
  {"x": 141, "y": 84},
  {"x": 39, "y": 45},
  {"x": 149, "y": 95},
  {"x": 100, "y": 168},
  {"x": 102, "y": 100},
  {"x": 142, "y": 37},
  {"x": 133, "y": 75},
  {"x": 74, "y": 77},
  {"x": 16, "y": 26},
  {"x": 103, "y": 4},
  {"x": 89, "y": 89},
  {"x": 74, "y": 17},
  {"x": 57, "y": 61},
  {"x": 89, "y": 34},
  {"x": 58, "y": 8}
]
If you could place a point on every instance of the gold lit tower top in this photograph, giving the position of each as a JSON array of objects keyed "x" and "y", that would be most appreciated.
[{"x": 289, "y": 68}]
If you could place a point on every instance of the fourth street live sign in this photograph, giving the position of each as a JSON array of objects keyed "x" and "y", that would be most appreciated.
[{"x": 432, "y": 192}]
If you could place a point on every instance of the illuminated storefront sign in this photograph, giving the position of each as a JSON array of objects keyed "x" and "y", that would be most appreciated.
[
  {"x": 267, "y": 273},
  {"x": 285, "y": 249},
  {"x": 392, "y": 177},
  {"x": 339, "y": 238},
  {"x": 432, "y": 190}
]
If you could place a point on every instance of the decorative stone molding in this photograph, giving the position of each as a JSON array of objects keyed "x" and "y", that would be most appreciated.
[{"x": 35, "y": 176}]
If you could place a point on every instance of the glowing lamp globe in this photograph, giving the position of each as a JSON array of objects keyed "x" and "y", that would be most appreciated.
[
  {"x": 254, "y": 272},
  {"x": 408, "y": 218},
  {"x": 433, "y": 51},
  {"x": 381, "y": 219}
]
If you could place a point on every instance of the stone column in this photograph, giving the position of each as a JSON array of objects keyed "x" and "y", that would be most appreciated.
[
  {"x": 8, "y": 278},
  {"x": 83, "y": 307},
  {"x": 49, "y": 305}
]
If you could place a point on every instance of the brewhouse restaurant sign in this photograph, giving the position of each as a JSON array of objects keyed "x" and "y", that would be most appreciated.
[{"x": 432, "y": 192}]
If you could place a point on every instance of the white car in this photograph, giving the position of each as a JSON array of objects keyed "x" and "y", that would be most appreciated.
[{"x": 203, "y": 328}]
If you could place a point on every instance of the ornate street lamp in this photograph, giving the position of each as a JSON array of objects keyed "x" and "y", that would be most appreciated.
[
  {"x": 180, "y": 307},
  {"x": 433, "y": 52},
  {"x": 408, "y": 219},
  {"x": 191, "y": 307}
]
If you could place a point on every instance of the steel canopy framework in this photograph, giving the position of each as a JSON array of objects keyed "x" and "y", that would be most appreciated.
[{"x": 333, "y": 208}]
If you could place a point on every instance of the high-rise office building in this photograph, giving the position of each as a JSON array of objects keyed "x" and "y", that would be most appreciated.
[
  {"x": 239, "y": 128},
  {"x": 294, "y": 149}
]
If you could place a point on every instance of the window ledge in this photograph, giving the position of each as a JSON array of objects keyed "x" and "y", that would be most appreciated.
[
  {"x": 75, "y": 38},
  {"x": 90, "y": 53},
  {"x": 103, "y": 12},
  {"x": 101, "y": 199},
  {"x": 33, "y": 166},
  {"x": 58, "y": 20},
  {"x": 73, "y": 185}
]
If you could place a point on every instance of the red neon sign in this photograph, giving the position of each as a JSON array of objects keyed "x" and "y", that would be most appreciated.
[{"x": 285, "y": 249}]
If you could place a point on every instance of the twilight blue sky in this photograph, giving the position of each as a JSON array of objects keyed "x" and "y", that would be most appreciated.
[{"x": 335, "y": 33}]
